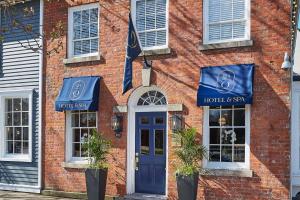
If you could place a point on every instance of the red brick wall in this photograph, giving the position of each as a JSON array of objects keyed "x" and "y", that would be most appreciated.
[{"x": 178, "y": 74}]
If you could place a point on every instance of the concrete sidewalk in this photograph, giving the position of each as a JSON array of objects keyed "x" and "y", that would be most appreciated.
[{"x": 8, "y": 195}]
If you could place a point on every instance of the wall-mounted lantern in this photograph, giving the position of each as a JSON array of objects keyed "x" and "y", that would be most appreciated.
[
  {"x": 176, "y": 122},
  {"x": 116, "y": 125}
]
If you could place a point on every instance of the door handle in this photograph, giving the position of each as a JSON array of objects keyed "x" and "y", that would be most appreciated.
[{"x": 136, "y": 161}]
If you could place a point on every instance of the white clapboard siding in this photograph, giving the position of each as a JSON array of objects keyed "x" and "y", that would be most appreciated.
[{"x": 20, "y": 69}]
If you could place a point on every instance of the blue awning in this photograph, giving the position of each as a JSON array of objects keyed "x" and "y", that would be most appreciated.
[
  {"x": 79, "y": 93},
  {"x": 226, "y": 85}
]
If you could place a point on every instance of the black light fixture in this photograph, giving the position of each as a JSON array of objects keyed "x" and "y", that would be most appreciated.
[
  {"x": 116, "y": 125},
  {"x": 176, "y": 122}
]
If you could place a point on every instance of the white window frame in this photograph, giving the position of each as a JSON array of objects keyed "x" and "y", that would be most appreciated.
[
  {"x": 227, "y": 165},
  {"x": 3, "y": 155},
  {"x": 133, "y": 15},
  {"x": 71, "y": 32},
  {"x": 206, "y": 29},
  {"x": 69, "y": 135}
]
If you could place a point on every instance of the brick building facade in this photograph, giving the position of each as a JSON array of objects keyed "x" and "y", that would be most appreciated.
[{"x": 176, "y": 74}]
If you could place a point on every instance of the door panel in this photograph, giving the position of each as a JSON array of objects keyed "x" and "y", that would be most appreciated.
[{"x": 150, "y": 173}]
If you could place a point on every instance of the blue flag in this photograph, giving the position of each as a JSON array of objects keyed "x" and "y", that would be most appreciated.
[{"x": 133, "y": 51}]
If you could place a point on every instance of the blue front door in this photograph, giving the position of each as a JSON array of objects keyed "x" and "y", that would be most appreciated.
[{"x": 150, "y": 153}]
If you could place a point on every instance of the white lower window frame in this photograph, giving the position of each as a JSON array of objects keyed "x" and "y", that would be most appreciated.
[
  {"x": 68, "y": 149},
  {"x": 227, "y": 165},
  {"x": 3, "y": 155}
]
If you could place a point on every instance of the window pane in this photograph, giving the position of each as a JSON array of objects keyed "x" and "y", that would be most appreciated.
[
  {"x": 239, "y": 154},
  {"x": 18, "y": 133},
  {"x": 214, "y": 153},
  {"x": 85, "y": 16},
  {"x": 214, "y": 116},
  {"x": 77, "y": 18},
  {"x": 92, "y": 119},
  {"x": 25, "y": 134},
  {"x": 17, "y": 147},
  {"x": 94, "y": 15},
  {"x": 76, "y": 150},
  {"x": 94, "y": 45},
  {"x": 226, "y": 118},
  {"x": 9, "y": 133},
  {"x": 214, "y": 136},
  {"x": 161, "y": 6},
  {"x": 77, "y": 48},
  {"x": 160, "y": 20},
  {"x": 94, "y": 30},
  {"x": 86, "y": 46},
  {"x": 239, "y": 7},
  {"x": 240, "y": 135},
  {"x": 8, "y": 119},
  {"x": 85, "y": 31},
  {"x": 226, "y": 154},
  {"x": 150, "y": 22},
  {"x": 25, "y": 119},
  {"x": 145, "y": 141},
  {"x": 150, "y": 38},
  {"x": 17, "y": 104},
  {"x": 227, "y": 136},
  {"x": 159, "y": 142},
  {"x": 161, "y": 38},
  {"x": 76, "y": 135},
  {"x": 84, "y": 134},
  {"x": 83, "y": 119},
  {"x": 17, "y": 118},
  {"x": 25, "y": 104},
  {"x": 10, "y": 147},
  {"x": 239, "y": 117},
  {"x": 77, "y": 32},
  {"x": 144, "y": 120},
  {"x": 8, "y": 105},
  {"x": 25, "y": 148},
  {"x": 159, "y": 120},
  {"x": 75, "y": 119}
]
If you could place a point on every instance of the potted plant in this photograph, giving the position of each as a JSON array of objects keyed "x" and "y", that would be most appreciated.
[
  {"x": 188, "y": 163},
  {"x": 97, "y": 148}
]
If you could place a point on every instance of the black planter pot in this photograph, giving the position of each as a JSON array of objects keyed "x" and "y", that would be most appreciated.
[
  {"x": 187, "y": 186},
  {"x": 96, "y": 183}
]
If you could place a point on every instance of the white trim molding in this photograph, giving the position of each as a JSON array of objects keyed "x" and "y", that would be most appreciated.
[
  {"x": 20, "y": 94},
  {"x": 132, "y": 109},
  {"x": 227, "y": 165},
  {"x": 70, "y": 54},
  {"x": 133, "y": 14},
  {"x": 247, "y": 20}
]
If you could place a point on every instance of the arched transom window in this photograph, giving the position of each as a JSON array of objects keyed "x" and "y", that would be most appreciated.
[{"x": 152, "y": 97}]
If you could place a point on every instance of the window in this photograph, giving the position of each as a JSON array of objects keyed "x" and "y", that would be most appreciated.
[
  {"x": 83, "y": 32},
  {"x": 16, "y": 120},
  {"x": 152, "y": 98},
  {"x": 226, "y": 20},
  {"x": 79, "y": 126},
  {"x": 227, "y": 136},
  {"x": 151, "y": 21}
]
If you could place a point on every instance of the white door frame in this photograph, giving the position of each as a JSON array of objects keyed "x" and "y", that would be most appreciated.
[
  {"x": 132, "y": 109},
  {"x": 295, "y": 139}
]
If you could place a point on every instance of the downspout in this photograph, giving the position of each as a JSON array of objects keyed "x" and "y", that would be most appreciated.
[{"x": 41, "y": 94}]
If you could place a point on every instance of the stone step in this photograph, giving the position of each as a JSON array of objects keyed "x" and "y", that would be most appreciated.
[{"x": 138, "y": 196}]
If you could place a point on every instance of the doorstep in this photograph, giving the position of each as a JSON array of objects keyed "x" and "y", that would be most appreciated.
[{"x": 139, "y": 196}]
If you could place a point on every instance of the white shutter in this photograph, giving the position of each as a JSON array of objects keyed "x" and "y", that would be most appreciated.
[
  {"x": 151, "y": 22},
  {"x": 226, "y": 20}
]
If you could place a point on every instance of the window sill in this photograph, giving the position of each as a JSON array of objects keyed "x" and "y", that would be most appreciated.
[
  {"x": 16, "y": 159},
  {"x": 81, "y": 59},
  {"x": 71, "y": 165},
  {"x": 247, "y": 173},
  {"x": 245, "y": 43},
  {"x": 156, "y": 52}
]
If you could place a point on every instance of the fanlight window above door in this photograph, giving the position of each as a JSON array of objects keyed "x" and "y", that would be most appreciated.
[{"x": 152, "y": 98}]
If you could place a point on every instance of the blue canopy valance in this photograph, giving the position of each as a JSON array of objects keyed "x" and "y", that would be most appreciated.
[
  {"x": 79, "y": 93},
  {"x": 226, "y": 85}
]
